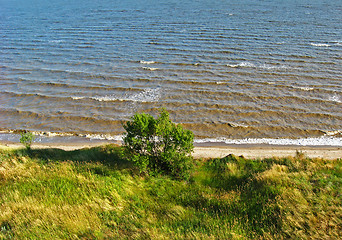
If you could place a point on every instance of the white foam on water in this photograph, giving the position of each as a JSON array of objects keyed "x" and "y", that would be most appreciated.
[
  {"x": 150, "y": 68},
  {"x": 320, "y": 44},
  {"x": 105, "y": 99},
  {"x": 267, "y": 66},
  {"x": 303, "y": 88},
  {"x": 52, "y": 134},
  {"x": 317, "y": 141},
  {"x": 147, "y": 62},
  {"x": 148, "y": 95},
  {"x": 335, "y": 98},
  {"x": 332, "y": 133},
  {"x": 78, "y": 98},
  {"x": 242, "y": 64},
  {"x": 252, "y": 65},
  {"x": 104, "y": 137},
  {"x": 326, "y": 140}
]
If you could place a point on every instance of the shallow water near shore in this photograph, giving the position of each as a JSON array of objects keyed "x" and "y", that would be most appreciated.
[{"x": 230, "y": 71}]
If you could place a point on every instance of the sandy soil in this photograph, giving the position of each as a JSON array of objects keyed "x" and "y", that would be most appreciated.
[
  {"x": 207, "y": 151},
  {"x": 255, "y": 152}
]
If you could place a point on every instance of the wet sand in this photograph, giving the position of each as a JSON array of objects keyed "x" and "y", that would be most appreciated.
[{"x": 217, "y": 151}]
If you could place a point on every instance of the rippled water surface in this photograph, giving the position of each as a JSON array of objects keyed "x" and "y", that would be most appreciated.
[{"x": 224, "y": 69}]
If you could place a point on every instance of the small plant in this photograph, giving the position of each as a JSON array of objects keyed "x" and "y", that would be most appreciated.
[
  {"x": 159, "y": 145},
  {"x": 27, "y": 138},
  {"x": 300, "y": 155}
]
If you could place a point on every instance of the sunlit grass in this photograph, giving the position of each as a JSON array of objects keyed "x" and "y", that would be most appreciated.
[{"x": 96, "y": 194}]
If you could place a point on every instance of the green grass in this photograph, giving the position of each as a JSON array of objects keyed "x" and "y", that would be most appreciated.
[{"x": 96, "y": 194}]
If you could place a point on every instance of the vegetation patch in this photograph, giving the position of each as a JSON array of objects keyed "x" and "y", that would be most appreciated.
[
  {"x": 97, "y": 193},
  {"x": 26, "y": 139},
  {"x": 159, "y": 145}
]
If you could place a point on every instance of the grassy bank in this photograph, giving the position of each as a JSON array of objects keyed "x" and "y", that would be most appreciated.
[{"x": 95, "y": 194}]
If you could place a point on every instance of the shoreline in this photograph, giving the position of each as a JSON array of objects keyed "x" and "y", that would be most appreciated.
[{"x": 210, "y": 150}]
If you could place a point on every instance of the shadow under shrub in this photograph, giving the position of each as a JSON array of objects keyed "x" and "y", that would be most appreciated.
[{"x": 110, "y": 155}]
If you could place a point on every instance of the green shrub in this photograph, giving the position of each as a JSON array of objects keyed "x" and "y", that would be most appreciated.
[
  {"x": 27, "y": 138},
  {"x": 159, "y": 145}
]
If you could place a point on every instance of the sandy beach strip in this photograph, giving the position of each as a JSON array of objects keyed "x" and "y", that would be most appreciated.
[
  {"x": 267, "y": 151},
  {"x": 217, "y": 151}
]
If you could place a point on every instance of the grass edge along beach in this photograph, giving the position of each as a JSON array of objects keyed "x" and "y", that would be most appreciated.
[{"x": 94, "y": 193}]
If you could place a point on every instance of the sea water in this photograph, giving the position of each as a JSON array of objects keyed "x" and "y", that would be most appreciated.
[{"x": 231, "y": 71}]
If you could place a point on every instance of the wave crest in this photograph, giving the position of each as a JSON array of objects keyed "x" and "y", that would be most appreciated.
[
  {"x": 252, "y": 65},
  {"x": 148, "y": 95},
  {"x": 320, "y": 44},
  {"x": 147, "y": 62}
]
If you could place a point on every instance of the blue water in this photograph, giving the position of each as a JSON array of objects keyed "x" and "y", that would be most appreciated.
[{"x": 224, "y": 69}]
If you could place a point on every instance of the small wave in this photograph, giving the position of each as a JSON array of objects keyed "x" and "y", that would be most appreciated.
[
  {"x": 85, "y": 46},
  {"x": 242, "y": 64},
  {"x": 53, "y": 134},
  {"x": 148, "y": 95},
  {"x": 318, "y": 141},
  {"x": 150, "y": 69},
  {"x": 303, "y": 88},
  {"x": 306, "y": 88},
  {"x": 333, "y": 133},
  {"x": 237, "y": 125},
  {"x": 266, "y": 66},
  {"x": 78, "y": 98},
  {"x": 104, "y": 137},
  {"x": 105, "y": 99},
  {"x": 56, "y": 41},
  {"x": 251, "y": 65},
  {"x": 335, "y": 98},
  {"x": 320, "y": 44},
  {"x": 147, "y": 62}
]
